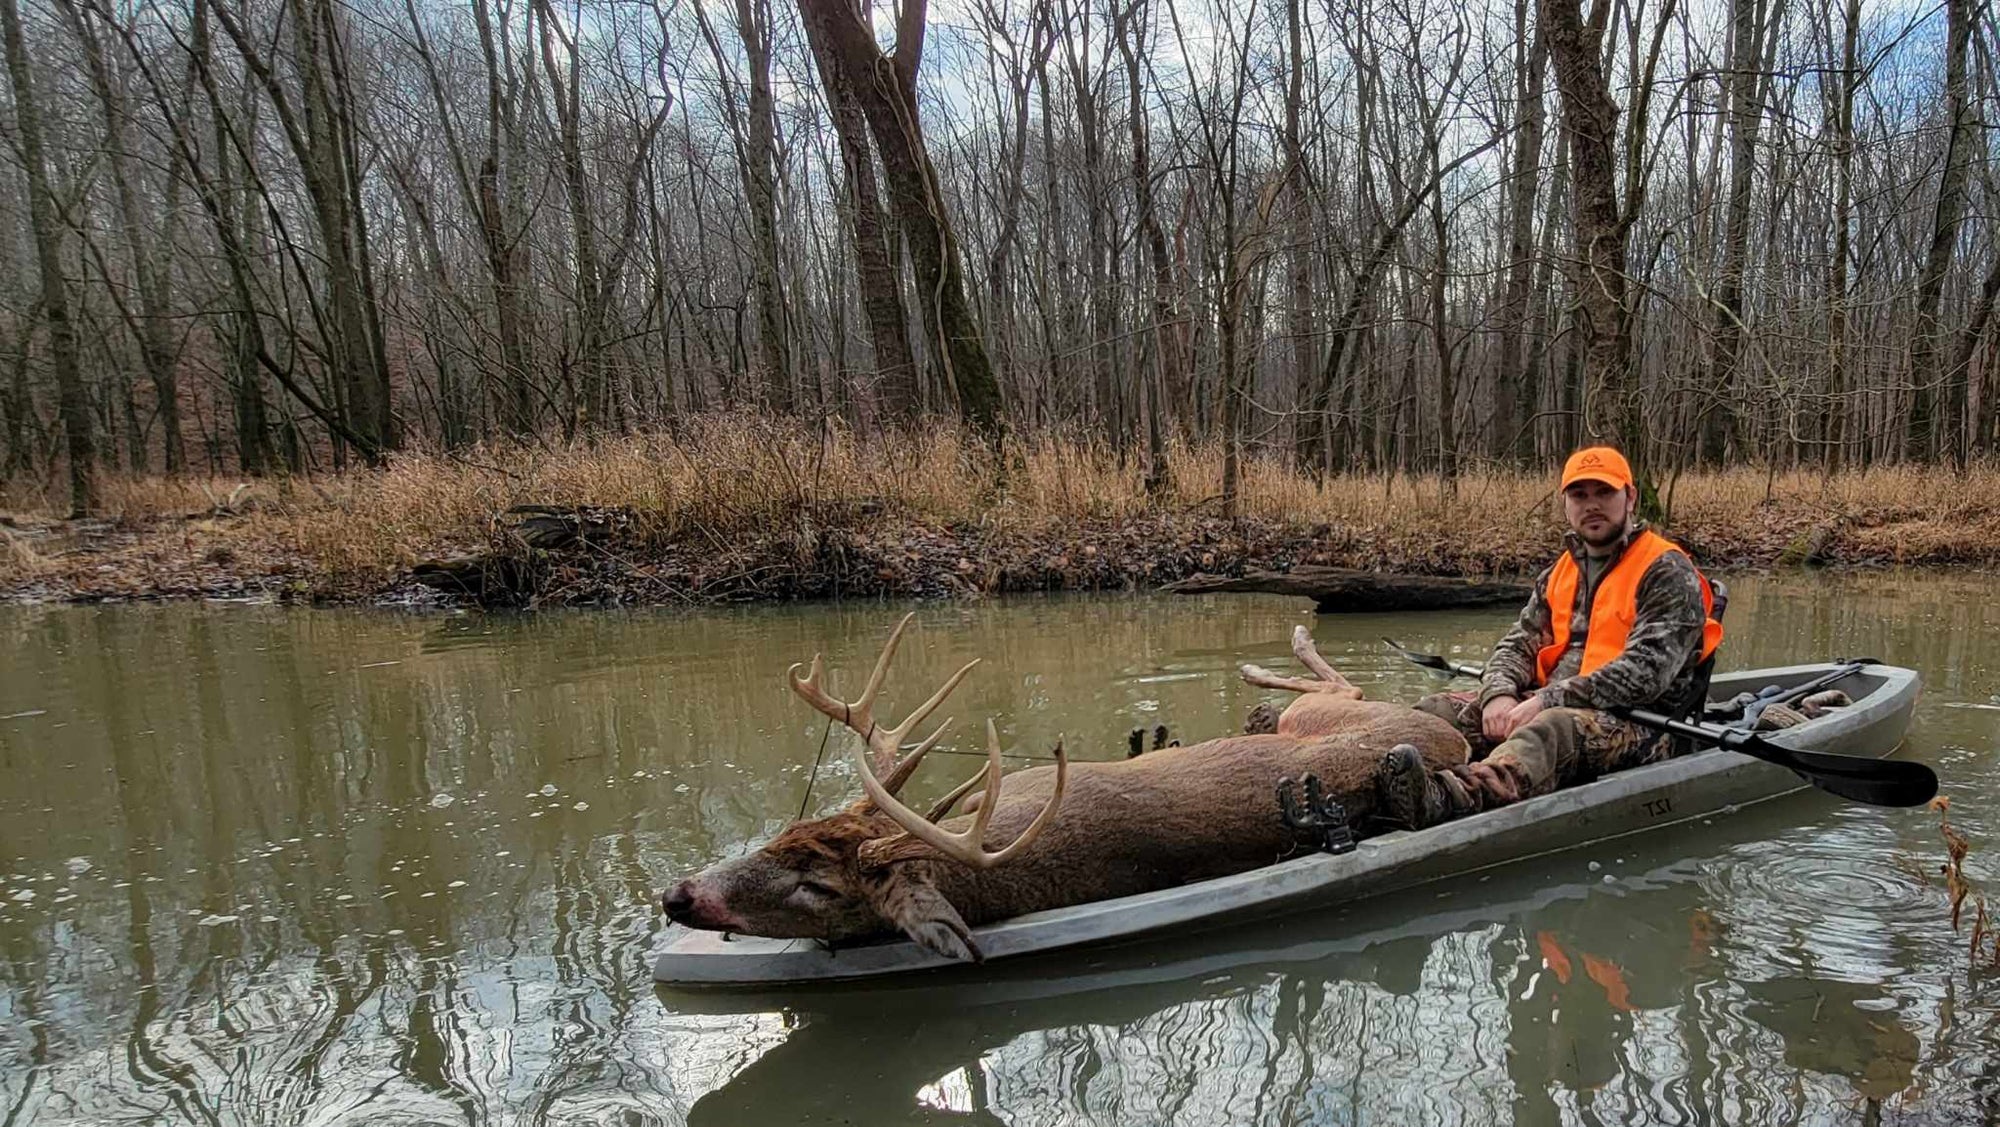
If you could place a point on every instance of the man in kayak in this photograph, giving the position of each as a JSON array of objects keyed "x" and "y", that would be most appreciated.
[{"x": 1621, "y": 619}]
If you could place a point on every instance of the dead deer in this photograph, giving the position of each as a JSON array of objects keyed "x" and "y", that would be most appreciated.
[{"x": 1050, "y": 836}]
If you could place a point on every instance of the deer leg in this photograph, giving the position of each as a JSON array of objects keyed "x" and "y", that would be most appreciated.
[
  {"x": 1265, "y": 679},
  {"x": 1308, "y": 655},
  {"x": 1262, "y": 720},
  {"x": 1324, "y": 679}
]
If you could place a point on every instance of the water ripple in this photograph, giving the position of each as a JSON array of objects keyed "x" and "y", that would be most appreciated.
[{"x": 1835, "y": 901}]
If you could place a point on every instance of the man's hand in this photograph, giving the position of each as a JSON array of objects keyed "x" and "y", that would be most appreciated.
[
  {"x": 1519, "y": 716},
  {"x": 1493, "y": 718}
]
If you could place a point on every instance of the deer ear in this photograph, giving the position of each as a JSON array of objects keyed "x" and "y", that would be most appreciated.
[{"x": 915, "y": 906}]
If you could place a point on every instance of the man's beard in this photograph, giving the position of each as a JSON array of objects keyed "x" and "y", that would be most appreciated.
[{"x": 1615, "y": 533}]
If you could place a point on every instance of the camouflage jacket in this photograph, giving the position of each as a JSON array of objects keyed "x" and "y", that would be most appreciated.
[{"x": 1661, "y": 652}]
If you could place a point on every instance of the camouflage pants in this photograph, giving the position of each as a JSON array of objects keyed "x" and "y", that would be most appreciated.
[{"x": 1559, "y": 748}]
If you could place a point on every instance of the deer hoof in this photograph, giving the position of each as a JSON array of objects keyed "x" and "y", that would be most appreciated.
[{"x": 1406, "y": 797}]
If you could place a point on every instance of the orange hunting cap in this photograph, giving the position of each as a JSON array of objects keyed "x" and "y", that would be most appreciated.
[{"x": 1597, "y": 463}]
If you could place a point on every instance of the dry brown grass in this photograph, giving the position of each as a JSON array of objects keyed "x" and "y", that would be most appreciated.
[
  {"x": 725, "y": 479},
  {"x": 17, "y": 557}
]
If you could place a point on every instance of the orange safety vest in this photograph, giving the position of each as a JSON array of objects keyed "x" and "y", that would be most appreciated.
[{"x": 1614, "y": 607}]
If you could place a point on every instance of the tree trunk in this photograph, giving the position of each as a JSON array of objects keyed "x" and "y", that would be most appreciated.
[
  {"x": 886, "y": 87},
  {"x": 1744, "y": 86},
  {"x": 1170, "y": 375},
  {"x": 1514, "y": 391},
  {"x": 1837, "y": 412},
  {"x": 511, "y": 394},
  {"x": 1003, "y": 298},
  {"x": 1590, "y": 125},
  {"x": 753, "y": 23},
  {"x": 880, "y": 286},
  {"x": 1961, "y": 362},
  {"x": 72, "y": 401},
  {"x": 1340, "y": 347},
  {"x": 151, "y": 265},
  {"x": 253, "y": 424},
  {"x": 1440, "y": 313},
  {"x": 1923, "y": 439},
  {"x": 17, "y": 403},
  {"x": 1101, "y": 297},
  {"x": 1301, "y": 324},
  {"x": 319, "y": 141},
  {"x": 217, "y": 201},
  {"x": 564, "y": 78},
  {"x": 1339, "y": 590}
]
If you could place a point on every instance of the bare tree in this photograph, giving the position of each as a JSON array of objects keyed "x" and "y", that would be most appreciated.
[
  {"x": 150, "y": 258},
  {"x": 1590, "y": 126},
  {"x": 1745, "y": 81},
  {"x": 319, "y": 125},
  {"x": 447, "y": 225},
  {"x": 886, "y": 87},
  {"x": 1514, "y": 391},
  {"x": 46, "y": 227},
  {"x": 753, "y": 128},
  {"x": 1925, "y": 437}
]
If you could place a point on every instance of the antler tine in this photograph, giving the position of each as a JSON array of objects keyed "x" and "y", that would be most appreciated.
[
  {"x": 884, "y": 744},
  {"x": 811, "y": 688},
  {"x": 894, "y": 736},
  {"x": 866, "y": 705},
  {"x": 1325, "y": 678},
  {"x": 908, "y": 766},
  {"x": 976, "y": 836},
  {"x": 968, "y": 847},
  {"x": 1048, "y": 810},
  {"x": 857, "y": 714},
  {"x": 943, "y": 805}
]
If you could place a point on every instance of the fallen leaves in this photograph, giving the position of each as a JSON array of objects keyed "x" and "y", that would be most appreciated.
[{"x": 1958, "y": 886}]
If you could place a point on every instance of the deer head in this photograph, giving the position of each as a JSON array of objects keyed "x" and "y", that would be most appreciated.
[{"x": 872, "y": 866}]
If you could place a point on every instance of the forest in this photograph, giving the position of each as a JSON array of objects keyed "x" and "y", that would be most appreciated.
[{"x": 1334, "y": 236}]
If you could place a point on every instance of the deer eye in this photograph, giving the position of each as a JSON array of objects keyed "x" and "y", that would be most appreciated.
[{"x": 817, "y": 890}]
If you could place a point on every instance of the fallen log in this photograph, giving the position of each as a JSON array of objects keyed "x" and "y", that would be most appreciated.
[
  {"x": 486, "y": 578},
  {"x": 1343, "y": 590}
]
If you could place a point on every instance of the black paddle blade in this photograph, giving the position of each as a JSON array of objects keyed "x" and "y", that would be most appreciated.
[
  {"x": 1432, "y": 662},
  {"x": 1877, "y": 782},
  {"x": 1857, "y": 778}
]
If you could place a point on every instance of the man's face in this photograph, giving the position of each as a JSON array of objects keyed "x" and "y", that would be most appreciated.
[{"x": 1597, "y": 511}]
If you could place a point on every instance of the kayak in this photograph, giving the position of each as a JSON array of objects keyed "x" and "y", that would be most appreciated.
[{"x": 1626, "y": 802}]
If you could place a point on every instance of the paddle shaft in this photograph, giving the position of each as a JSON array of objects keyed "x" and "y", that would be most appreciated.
[
  {"x": 1797, "y": 693},
  {"x": 1734, "y": 739},
  {"x": 1756, "y": 708}
]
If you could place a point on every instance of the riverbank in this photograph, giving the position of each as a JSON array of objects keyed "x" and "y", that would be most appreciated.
[{"x": 734, "y": 509}]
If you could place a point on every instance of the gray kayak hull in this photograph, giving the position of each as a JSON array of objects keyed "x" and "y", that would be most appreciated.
[{"x": 1617, "y": 805}]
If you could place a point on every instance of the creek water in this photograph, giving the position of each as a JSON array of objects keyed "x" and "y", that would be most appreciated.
[{"x": 275, "y": 866}]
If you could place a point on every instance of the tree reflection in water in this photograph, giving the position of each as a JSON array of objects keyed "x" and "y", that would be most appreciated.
[
  {"x": 346, "y": 868},
  {"x": 1457, "y": 1017}
]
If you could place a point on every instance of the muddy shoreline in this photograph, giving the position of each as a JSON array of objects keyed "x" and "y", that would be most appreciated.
[{"x": 556, "y": 556}]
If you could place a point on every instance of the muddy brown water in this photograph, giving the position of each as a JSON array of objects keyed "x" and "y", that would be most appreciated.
[{"x": 271, "y": 866}]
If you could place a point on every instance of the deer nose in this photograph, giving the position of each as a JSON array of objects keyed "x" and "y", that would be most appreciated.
[{"x": 678, "y": 903}]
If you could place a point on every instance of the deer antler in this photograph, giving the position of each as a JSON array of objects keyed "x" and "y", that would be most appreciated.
[
  {"x": 943, "y": 806},
  {"x": 859, "y": 715},
  {"x": 882, "y": 745},
  {"x": 967, "y": 847}
]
